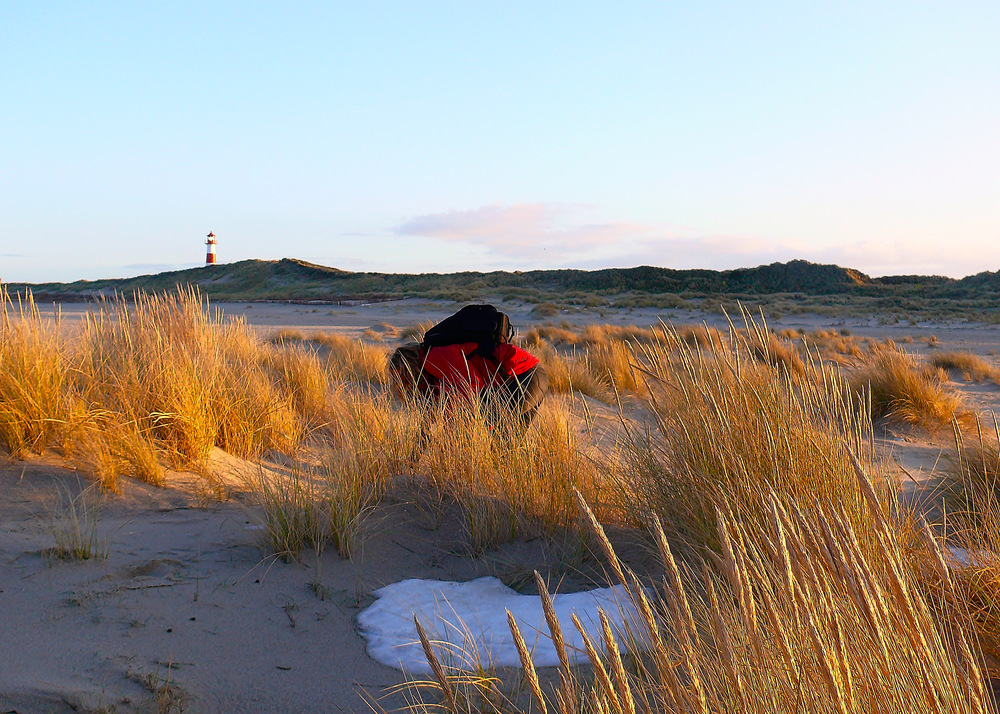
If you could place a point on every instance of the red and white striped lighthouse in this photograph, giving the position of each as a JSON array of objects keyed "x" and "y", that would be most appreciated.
[{"x": 210, "y": 254}]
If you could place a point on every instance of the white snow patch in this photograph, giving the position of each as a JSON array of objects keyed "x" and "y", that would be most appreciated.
[{"x": 468, "y": 623}]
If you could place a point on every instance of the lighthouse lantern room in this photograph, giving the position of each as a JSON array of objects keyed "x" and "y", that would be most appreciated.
[{"x": 210, "y": 254}]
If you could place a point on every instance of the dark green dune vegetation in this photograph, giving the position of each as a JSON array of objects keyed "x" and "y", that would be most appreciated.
[{"x": 779, "y": 288}]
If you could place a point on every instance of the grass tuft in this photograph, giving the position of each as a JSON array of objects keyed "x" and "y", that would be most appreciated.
[
  {"x": 798, "y": 617},
  {"x": 972, "y": 367},
  {"x": 73, "y": 523},
  {"x": 729, "y": 428},
  {"x": 903, "y": 391},
  {"x": 33, "y": 377}
]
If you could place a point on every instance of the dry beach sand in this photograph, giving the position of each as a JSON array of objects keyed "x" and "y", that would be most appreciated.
[{"x": 187, "y": 610}]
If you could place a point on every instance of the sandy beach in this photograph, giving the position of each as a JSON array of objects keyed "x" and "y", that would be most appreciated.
[{"x": 187, "y": 612}]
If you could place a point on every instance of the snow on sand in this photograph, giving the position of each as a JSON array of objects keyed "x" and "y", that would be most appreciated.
[{"x": 468, "y": 621}]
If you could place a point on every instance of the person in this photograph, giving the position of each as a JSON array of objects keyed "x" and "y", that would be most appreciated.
[{"x": 482, "y": 365}]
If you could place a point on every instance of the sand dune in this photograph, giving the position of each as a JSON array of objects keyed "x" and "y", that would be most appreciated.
[{"x": 187, "y": 610}]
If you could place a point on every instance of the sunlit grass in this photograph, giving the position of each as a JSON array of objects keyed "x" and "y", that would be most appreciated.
[
  {"x": 792, "y": 616},
  {"x": 902, "y": 390},
  {"x": 971, "y": 367},
  {"x": 729, "y": 427}
]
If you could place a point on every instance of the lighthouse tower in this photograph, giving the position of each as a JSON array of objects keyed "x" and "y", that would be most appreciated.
[{"x": 210, "y": 254}]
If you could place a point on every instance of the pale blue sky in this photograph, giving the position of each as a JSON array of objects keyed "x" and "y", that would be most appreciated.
[{"x": 433, "y": 136}]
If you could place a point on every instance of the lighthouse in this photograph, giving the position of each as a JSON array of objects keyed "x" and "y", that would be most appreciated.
[{"x": 210, "y": 254}]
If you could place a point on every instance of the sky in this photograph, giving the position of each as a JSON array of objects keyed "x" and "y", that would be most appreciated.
[{"x": 443, "y": 136}]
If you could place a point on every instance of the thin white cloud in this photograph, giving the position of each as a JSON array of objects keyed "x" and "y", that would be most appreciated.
[
  {"x": 523, "y": 230},
  {"x": 544, "y": 235}
]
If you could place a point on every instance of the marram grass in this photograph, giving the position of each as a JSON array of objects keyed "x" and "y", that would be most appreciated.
[{"x": 795, "y": 616}]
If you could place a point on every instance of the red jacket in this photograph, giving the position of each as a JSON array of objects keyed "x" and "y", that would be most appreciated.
[{"x": 457, "y": 368}]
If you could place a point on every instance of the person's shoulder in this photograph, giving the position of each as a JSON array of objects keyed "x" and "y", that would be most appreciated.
[
  {"x": 515, "y": 356},
  {"x": 509, "y": 348}
]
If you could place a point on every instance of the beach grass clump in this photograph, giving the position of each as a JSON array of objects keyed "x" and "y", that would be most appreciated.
[
  {"x": 344, "y": 471},
  {"x": 597, "y": 334},
  {"x": 370, "y": 420},
  {"x": 355, "y": 482},
  {"x": 381, "y": 331},
  {"x": 349, "y": 359},
  {"x": 510, "y": 482},
  {"x": 286, "y": 335},
  {"x": 184, "y": 377},
  {"x": 902, "y": 390},
  {"x": 794, "y": 615},
  {"x": 34, "y": 369},
  {"x": 972, "y": 367},
  {"x": 728, "y": 428},
  {"x": 790, "y": 333},
  {"x": 965, "y": 584},
  {"x": 369, "y": 440},
  {"x": 768, "y": 347},
  {"x": 293, "y": 511},
  {"x": 555, "y": 335},
  {"x": 253, "y": 414},
  {"x": 573, "y": 372},
  {"x": 616, "y": 363},
  {"x": 303, "y": 376},
  {"x": 154, "y": 378},
  {"x": 414, "y": 333},
  {"x": 832, "y": 346},
  {"x": 74, "y": 523},
  {"x": 973, "y": 467},
  {"x": 545, "y": 309},
  {"x": 310, "y": 506},
  {"x": 700, "y": 336},
  {"x": 105, "y": 447}
]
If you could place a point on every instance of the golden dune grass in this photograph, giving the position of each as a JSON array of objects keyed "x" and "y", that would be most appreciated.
[
  {"x": 792, "y": 616},
  {"x": 162, "y": 378},
  {"x": 972, "y": 367},
  {"x": 972, "y": 487},
  {"x": 186, "y": 379},
  {"x": 729, "y": 427},
  {"x": 509, "y": 483},
  {"x": 572, "y": 372},
  {"x": 34, "y": 377},
  {"x": 803, "y": 589},
  {"x": 902, "y": 390},
  {"x": 414, "y": 333},
  {"x": 812, "y": 595},
  {"x": 353, "y": 359}
]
